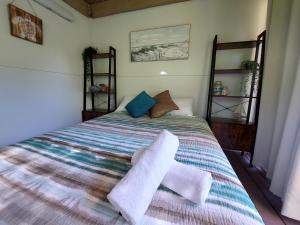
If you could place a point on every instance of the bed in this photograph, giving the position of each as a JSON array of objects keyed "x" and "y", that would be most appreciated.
[{"x": 63, "y": 177}]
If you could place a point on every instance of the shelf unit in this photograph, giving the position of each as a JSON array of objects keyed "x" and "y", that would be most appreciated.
[
  {"x": 101, "y": 74},
  {"x": 89, "y": 79},
  {"x": 231, "y": 96},
  {"x": 237, "y": 133},
  {"x": 228, "y": 120},
  {"x": 233, "y": 71}
]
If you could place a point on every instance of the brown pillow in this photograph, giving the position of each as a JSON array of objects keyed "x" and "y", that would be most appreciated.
[{"x": 164, "y": 105}]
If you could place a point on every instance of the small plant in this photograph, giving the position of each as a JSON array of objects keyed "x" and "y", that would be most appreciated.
[
  {"x": 89, "y": 51},
  {"x": 253, "y": 66},
  {"x": 250, "y": 65}
]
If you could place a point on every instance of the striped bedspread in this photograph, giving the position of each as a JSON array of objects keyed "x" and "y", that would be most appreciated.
[{"x": 63, "y": 177}]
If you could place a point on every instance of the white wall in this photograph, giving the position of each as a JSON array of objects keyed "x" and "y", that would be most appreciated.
[
  {"x": 40, "y": 85},
  {"x": 232, "y": 20}
]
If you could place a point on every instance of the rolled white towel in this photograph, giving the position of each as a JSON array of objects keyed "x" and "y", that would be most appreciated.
[
  {"x": 188, "y": 181},
  {"x": 133, "y": 194}
]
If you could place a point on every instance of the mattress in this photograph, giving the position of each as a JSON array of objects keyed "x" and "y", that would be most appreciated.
[{"x": 63, "y": 177}]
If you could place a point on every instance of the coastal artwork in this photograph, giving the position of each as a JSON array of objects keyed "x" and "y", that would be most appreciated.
[
  {"x": 166, "y": 43},
  {"x": 25, "y": 25}
]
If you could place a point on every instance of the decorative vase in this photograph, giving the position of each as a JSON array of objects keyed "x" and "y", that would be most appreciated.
[
  {"x": 224, "y": 90},
  {"x": 103, "y": 88},
  {"x": 218, "y": 85},
  {"x": 95, "y": 89}
]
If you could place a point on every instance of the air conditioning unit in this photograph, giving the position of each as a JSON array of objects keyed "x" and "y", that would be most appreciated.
[{"x": 57, "y": 9}]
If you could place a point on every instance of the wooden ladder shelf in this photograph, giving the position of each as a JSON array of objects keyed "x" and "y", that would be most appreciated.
[
  {"x": 232, "y": 133},
  {"x": 89, "y": 80}
]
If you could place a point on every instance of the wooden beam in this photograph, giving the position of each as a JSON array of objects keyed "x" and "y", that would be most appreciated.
[
  {"x": 110, "y": 7},
  {"x": 81, "y": 6}
]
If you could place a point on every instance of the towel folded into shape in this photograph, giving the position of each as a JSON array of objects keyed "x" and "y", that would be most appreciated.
[
  {"x": 133, "y": 194},
  {"x": 188, "y": 181}
]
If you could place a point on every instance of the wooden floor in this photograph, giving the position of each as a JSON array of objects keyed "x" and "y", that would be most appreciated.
[{"x": 257, "y": 186}]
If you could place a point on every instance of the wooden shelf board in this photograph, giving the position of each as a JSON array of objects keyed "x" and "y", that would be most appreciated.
[
  {"x": 236, "y": 45},
  {"x": 102, "y": 74},
  {"x": 234, "y": 71},
  {"x": 231, "y": 96},
  {"x": 97, "y": 110},
  {"x": 230, "y": 120},
  {"x": 103, "y": 110},
  {"x": 100, "y": 92},
  {"x": 102, "y": 56}
]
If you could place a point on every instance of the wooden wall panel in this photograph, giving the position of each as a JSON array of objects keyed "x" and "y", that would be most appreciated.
[
  {"x": 100, "y": 8},
  {"x": 81, "y": 6},
  {"x": 111, "y": 7}
]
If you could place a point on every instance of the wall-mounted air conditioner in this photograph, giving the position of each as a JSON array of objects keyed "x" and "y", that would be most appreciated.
[{"x": 56, "y": 8}]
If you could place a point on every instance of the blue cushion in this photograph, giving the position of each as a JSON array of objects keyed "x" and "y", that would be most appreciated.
[{"x": 138, "y": 106}]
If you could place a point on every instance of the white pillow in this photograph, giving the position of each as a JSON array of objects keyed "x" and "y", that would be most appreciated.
[
  {"x": 123, "y": 103},
  {"x": 185, "y": 107}
]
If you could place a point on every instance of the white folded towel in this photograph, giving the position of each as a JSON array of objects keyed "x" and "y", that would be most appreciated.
[
  {"x": 188, "y": 181},
  {"x": 133, "y": 194}
]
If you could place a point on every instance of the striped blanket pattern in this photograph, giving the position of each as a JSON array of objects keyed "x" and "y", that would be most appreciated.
[{"x": 63, "y": 177}]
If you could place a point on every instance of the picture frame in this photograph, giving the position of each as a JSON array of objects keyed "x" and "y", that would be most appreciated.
[
  {"x": 160, "y": 44},
  {"x": 25, "y": 25}
]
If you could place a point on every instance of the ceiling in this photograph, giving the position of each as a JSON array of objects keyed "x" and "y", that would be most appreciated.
[
  {"x": 100, "y": 8},
  {"x": 94, "y": 1}
]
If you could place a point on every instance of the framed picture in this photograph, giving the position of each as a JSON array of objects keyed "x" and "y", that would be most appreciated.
[
  {"x": 25, "y": 25},
  {"x": 165, "y": 43}
]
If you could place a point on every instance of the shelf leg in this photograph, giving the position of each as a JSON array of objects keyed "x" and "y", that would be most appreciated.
[{"x": 251, "y": 159}]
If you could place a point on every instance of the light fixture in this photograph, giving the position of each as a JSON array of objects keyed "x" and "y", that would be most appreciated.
[{"x": 163, "y": 73}]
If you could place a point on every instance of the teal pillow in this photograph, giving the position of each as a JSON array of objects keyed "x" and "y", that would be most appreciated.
[{"x": 141, "y": 104}]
